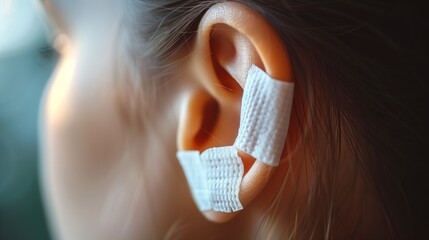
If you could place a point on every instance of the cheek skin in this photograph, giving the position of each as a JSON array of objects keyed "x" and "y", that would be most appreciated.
[
  {"x": 83, "y": 153},
  {"x": 103, "y": 179},
  {"x": 56, "y": 101}
]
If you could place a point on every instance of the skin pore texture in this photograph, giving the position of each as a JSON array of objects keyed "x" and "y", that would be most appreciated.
[{"x": 107, "y": 179}]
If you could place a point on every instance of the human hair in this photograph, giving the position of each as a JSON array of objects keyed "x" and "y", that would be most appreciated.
[{"x": 346, "y": 66}]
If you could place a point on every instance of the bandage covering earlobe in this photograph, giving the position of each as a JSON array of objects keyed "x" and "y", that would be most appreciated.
[
  {"x": 215, "y": 175},
  {"x": 196, "y": 175}
]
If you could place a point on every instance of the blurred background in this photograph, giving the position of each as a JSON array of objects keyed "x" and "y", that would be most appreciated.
[{"x": 26, "y": 63}]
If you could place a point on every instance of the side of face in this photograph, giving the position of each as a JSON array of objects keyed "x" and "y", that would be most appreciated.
[{"x": 103, "y": 179}]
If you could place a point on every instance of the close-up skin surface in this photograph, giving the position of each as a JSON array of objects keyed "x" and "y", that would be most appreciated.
[{"x": 137, "y": 80}]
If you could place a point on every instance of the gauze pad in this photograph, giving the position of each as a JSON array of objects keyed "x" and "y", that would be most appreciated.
[
  {"x": 215, "y": 175},
  {"x": 264, "y": 117}
]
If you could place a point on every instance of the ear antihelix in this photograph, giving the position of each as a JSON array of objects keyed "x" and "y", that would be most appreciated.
[{"x": 224, "y": 56}]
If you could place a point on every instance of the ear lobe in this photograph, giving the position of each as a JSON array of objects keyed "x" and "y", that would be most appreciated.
[{"x": 231, "y": 37}]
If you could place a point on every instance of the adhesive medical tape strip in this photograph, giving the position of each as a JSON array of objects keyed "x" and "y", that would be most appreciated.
[
  {"x": 264, "y": 118},
  {"x": 214, "y": 177}
]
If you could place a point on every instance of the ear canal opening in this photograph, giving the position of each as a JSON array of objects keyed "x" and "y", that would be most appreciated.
[{"x": 210, "y": 117}]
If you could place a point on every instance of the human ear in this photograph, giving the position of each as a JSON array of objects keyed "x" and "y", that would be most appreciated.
[{"x": 230, "y": 39}]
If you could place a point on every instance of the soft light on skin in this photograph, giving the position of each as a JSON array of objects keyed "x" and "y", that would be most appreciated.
[
  {"x": 57, "y": 101},
  {"x": 103, "y": 179}
]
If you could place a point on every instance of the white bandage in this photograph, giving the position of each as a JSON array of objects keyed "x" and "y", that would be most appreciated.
[
  {"x": 215, "y": 175},
  {"x": 264, "y": 118},
  {"x": 196, "y": 175}
]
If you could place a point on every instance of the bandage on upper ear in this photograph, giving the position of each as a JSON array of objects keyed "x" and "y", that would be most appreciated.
[{"x": 264, "y": 118}]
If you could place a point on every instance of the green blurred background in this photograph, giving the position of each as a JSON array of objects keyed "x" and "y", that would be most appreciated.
[{"x": 26, "y": 63}]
